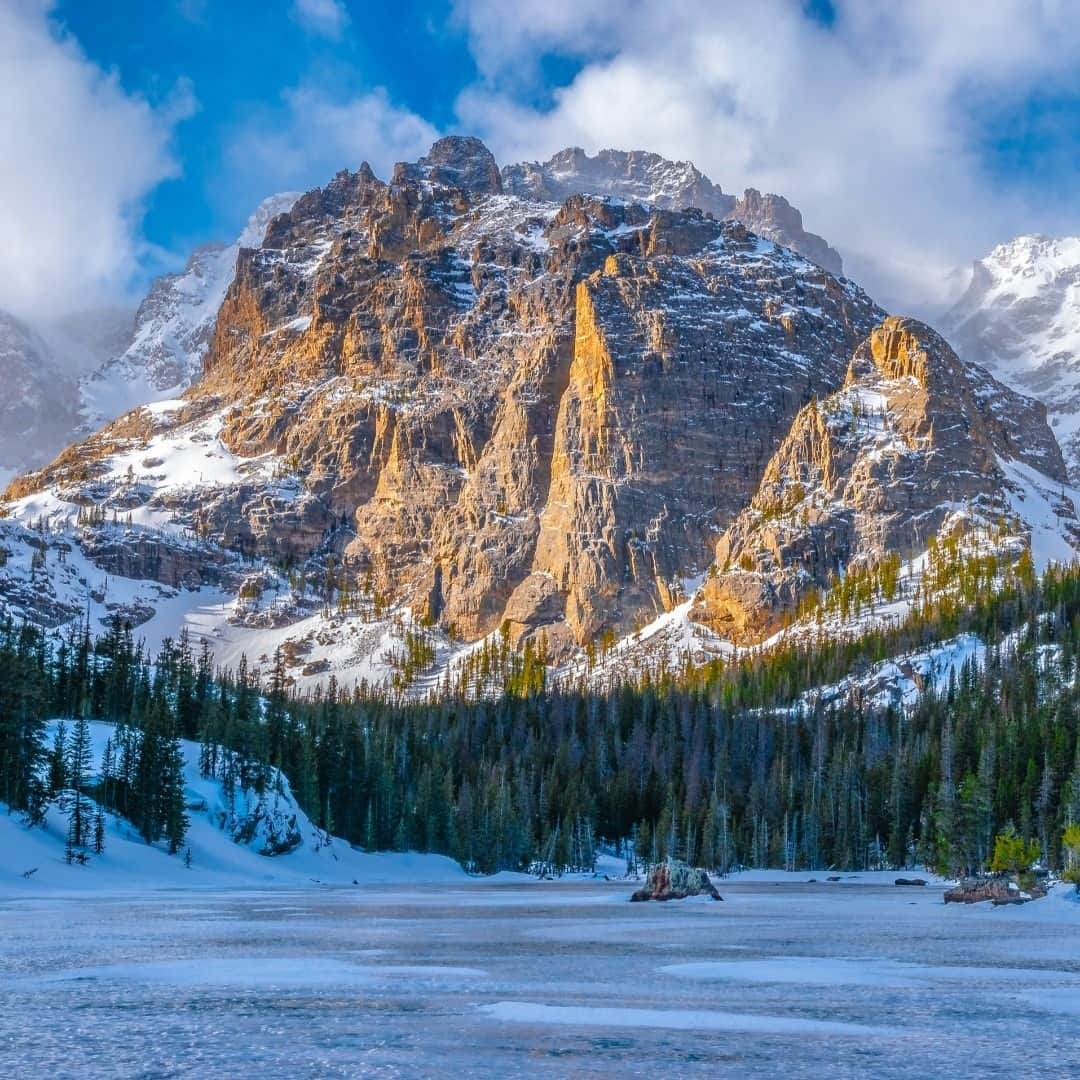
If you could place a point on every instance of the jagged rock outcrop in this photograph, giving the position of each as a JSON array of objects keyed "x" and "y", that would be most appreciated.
[
  {"x": 1019, "y": 317},
  {"x": 877, "y": 468},
  {"x": 490, "y": 407},
  {"x": 669, "y": 185},
  {"x": 773, "y": 216}
]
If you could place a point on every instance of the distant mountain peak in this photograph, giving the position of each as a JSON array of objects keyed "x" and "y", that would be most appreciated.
[
  {"x": 1020, "y": 318},
  {"x": 173, "y": 325}
]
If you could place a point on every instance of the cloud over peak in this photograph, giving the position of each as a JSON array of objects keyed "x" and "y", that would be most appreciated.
[
  {"x": 83, "y": 155},
  {"x": 871, "y": 123}
]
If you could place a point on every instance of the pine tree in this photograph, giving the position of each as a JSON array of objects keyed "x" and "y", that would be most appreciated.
[
  {"x": 99, "y": 830},
  {"x": 77, "y": 768}
]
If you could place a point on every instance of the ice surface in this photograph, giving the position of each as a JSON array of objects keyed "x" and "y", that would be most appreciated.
[
  {"x": 528, "y": 1012},
  {"x": 504, "y": 979}
]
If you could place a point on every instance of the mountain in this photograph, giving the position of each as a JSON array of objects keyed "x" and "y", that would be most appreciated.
[
  {"x": 121, "y": 363},
  {"x": 912, "y": 449},
  {"x": 1020, "y": 318},
  {"x": 457, "y": 407},
  {"x": 66, "y": 378},
  {"x": 38, "y": 405},
  {"x": 639, "y": 176},
  {"x": 172, "y": 327}
]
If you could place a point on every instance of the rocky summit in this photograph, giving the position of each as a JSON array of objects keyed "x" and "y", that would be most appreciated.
[
  {"x": 912, "y": 446},
  {"x": 546, "y": 401}
]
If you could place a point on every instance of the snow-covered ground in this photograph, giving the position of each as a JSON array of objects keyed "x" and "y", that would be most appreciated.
[
  {"x": 497, "y": 979},
  {"x": 326, "y": 961},
  {"x": 217, "y": 861}
]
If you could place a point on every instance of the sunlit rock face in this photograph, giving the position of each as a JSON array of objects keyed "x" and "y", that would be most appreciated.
[
  {"x": 913, "y": 443},
  {"x": 497, "y": 400}
]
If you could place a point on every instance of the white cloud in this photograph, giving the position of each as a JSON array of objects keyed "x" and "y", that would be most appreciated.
[
  {"x": 326, "y": 17},
  {"x": 865, "y": 126},
  {"x": 318, "y": 136},
  {"x": 81, "y": 156}
]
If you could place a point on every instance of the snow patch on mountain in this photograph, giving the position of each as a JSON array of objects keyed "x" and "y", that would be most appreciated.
[
  {"x": 1020, "y": 318},
  {"x": 173, "y": 326}
]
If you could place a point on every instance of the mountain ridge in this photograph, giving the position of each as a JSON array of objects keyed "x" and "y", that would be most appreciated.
[{"x": 433, "y": 410}]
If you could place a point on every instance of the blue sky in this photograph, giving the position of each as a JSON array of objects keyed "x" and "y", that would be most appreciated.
[
  {"x": 238, "y": 57},
  {"x": 913, "y": 136}
]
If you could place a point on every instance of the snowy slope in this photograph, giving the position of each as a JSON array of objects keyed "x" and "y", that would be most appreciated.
[
  {"x": 1020, "y": 317},
  {"x": 217, "y": 860},
  {"x": 173, "y": 326}
]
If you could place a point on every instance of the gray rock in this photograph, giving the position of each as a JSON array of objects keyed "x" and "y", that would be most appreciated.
[{"x": 674, "y": 880}]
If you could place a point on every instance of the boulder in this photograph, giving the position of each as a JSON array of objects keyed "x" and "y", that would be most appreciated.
[
  {"x": 910, "y": 881},
  {"x": 999, "y": 889},
  {"x": 674, "y": 880}
]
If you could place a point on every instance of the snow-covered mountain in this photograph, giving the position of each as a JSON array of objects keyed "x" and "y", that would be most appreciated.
[
  {"x": 450, "y": 407},
  {"x": 173, "y": 327},
  {"x": 1020, "y": 318},
  {"x": 65, "y": 378},
  {"x": 37, "y": 400}
]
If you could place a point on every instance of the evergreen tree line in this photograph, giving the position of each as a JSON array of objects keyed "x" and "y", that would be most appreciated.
[
  {"x": 140, "y": 774},
  {"x": 714, "y": 764}
]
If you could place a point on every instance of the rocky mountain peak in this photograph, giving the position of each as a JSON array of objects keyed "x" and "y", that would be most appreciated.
[
  {"x": 901, "y": 348},
  {"x": 914, "y": 446},
  {"x": 645, "y": 177},
  {"x": 773, "y": 216},
  {"x": 458, "y": 405},
  {"x": 456, "y": 161},
  {"x": 636, "y": 175}
]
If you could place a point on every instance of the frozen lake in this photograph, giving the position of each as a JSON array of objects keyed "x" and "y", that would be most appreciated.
[{"x": 518, "y": 979}]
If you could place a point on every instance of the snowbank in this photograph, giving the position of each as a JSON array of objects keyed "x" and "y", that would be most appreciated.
[{"x": 217, "y": 861}]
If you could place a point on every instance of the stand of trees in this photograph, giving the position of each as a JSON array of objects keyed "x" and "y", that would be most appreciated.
[{"x": 715, "y": 764}]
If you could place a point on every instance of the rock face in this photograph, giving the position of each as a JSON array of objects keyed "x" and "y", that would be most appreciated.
[
  {"x": 1020, "y": 318},
  {"x": 640, "y": 176},
  {"x": 773, "y": 216},
  {"x": 674, "y": 880},
  {"x": 503, "y": 408},
  {"x": 483, "y": 400},
  {"x": 878, "y": 467}
]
